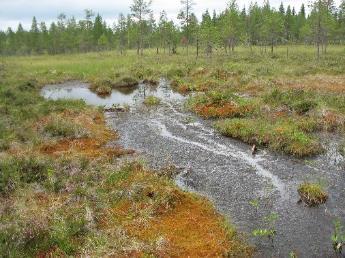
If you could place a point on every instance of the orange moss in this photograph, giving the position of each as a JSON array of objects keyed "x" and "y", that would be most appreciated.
[
  {"x": 93, "y": 146},
  {"x": 331, "y": 121},
  {"x": 183, "y": 224},
  {"x": 87, "y": 147},
  {"x": 225, "y": 111},
  {"x": 192, "y": 229},
  {"x": 183, "y": 89}
]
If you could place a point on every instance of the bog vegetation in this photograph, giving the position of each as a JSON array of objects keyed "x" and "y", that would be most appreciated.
[{"x": 64, "y": 191}]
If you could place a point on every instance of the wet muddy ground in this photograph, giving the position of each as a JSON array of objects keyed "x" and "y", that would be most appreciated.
[{"x": 224, "y": 170}]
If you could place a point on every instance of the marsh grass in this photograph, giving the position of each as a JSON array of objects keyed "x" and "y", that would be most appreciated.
[
  {"x": 220, "y": 104},
  {"x": 62, "y": 127},
  {"x": 312, "y": 194},
  {"x": 342, "y": 148},
  {"x": 152, "y": 101},
  {"x": 280, "y": 136}
]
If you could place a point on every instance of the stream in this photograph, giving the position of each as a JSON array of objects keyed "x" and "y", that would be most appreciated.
[{"x": 224, "y": 170}]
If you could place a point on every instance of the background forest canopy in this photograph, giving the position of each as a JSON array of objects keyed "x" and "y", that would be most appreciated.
[{"x": 259, "y": 25}]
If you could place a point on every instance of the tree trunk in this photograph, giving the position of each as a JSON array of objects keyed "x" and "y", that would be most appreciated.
[{"x": 197, "y": 47}]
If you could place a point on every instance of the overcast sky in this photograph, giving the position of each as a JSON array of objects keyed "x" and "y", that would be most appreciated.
[{"x": 14, "y": 11}]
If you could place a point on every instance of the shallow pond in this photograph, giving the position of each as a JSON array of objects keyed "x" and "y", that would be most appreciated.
[
  {"x": 125, "y": 95},
  {"x": 224, "y": 170}
]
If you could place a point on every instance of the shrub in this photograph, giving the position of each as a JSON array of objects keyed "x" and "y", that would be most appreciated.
[
  {"x": 304, "y": 106},
  {"x": 312, "y": 194},
  {"x": 9, "y": 175},
  {"x": 299, "y": 101},
  {"x": 59, "y": 127},
  {"x": 22, "y": 169}
]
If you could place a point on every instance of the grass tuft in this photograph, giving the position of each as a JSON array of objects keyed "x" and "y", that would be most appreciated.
[
  {"x": 282, "y": 137},
  {"x": 152, "y": 101},
  {"x": 312, "y": 194},
  {"x": 62, "y": 127}
]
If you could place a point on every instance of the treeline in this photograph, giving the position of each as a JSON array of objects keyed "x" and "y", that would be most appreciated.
[{"x": 257, "y": 25}]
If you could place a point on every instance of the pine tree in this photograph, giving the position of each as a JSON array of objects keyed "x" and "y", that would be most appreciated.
[
  {"x": 140, "y": 9},
  {"x": 20, "y": 45},
  {"x": 34, "y": 36},
  {"x": 98, "y": 29},
  {"x": 44, "y": 36},
  {"x": 122, "y": 32},
  {"x": 322, "y": 23},
  {"x": 207, "y": 32},
  {"x": 185, "y": 16}
]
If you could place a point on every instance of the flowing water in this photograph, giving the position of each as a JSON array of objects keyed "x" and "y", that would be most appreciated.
[{"x": 224, "y": 170}]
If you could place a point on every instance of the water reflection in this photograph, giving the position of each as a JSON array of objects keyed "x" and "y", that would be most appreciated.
[{"x": 120, "y": 96}]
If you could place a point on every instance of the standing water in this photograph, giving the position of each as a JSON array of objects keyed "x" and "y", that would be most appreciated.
[
  {"x": 125, "y": 95},
  {"x": 224, "y": 170}
]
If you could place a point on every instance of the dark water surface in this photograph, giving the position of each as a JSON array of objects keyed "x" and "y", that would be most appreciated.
[{"x": 224, "y": 170}]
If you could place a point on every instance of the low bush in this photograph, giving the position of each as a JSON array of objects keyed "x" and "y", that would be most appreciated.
[
  {"x": 15, "y": 170},
  {"x": 60, "y": 127},
  {"x": 299, "y": 101}
]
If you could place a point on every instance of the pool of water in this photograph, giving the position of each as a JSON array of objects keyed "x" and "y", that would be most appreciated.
[{"x": 125, "y": 95}]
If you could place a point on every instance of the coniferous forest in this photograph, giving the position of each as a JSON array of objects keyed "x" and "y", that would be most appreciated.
[{"x": 253, "y": 26}]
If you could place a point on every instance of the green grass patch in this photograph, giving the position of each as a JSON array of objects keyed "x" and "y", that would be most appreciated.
[
  {"x": 152, "y": 101},
  {"x": 312, "y": 194},
  {"x": 299, "y": 101},
  {"x": 280, "y": 136}
]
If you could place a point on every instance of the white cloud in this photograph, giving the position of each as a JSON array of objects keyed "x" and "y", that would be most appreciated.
[{"x": 14, "y": 11}]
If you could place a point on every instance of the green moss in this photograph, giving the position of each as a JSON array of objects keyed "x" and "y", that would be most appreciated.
[{"x": 312, "y": 194}]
